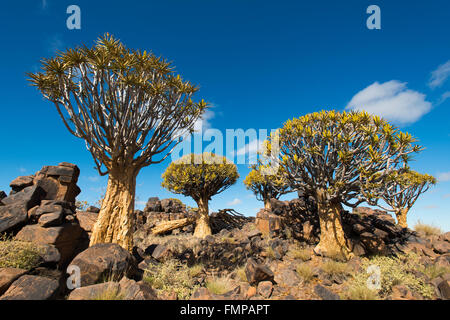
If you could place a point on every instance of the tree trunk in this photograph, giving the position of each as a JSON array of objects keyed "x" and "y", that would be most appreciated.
[
  {"x": 171, "y": 225},
  {"x": 267, "y": 204},
  {"x": 116, "y": 218},
  {"x": 202, "y": 227},
  {"x": 401, "y": 217},
  {"x": 332, "y": 238}
]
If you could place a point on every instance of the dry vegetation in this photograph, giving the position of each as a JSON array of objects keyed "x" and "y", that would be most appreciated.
[
  {"x": 428, "y": 230},
  {"x": 18, "y": 254}
]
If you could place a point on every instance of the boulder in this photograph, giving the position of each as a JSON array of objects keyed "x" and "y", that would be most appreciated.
[
  {"x": 8, "y": 276},
  {"x": 87, "y": 220},
  {"x": 21, "y": 183},
  {"x": 325, "y": 294},
  {"x": 29, "y": 287},
  {"x": 256, "y": 272},
  {"x": 441, "y": 247},
  {"x": 3, "y": 195},
  {"x": 93, "y": 209},
  {"x": 161, "y": 253},
  {"x": 59, "y": 182},
  {"x": 12, "y": 217},
  {"x": 51, "y": 219},
  {"x": 268, "y": 223},
  {"x": 287, "y": 277},
  {"x": 153, "y": 205},
  {"x": 444, "y": 289},
  {"x": 133, "y": 290},
  {"x": 103, "y": 261},
  {"x": 65, "y": 238},
  {"x": 28, "y": 197},
  {"x": 93, "y": 292},
  {"x": 401, "y": 292},
  {"x": 265, "y": 289}
]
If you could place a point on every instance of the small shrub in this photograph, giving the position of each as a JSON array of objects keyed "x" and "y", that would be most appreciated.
[
  {"x": 270, "y": 253},
  {"x": 18, "y": 254},
  {"x": 361, "y": 292},
  {"x": 196, "y": 270},
  {"x": 427, "y": 229},
  {"x": 297, "y": 252},
  {"x": 332, "y": 268},
  {"x": 171, "y": 276},
  {"x": 240, "y": 272},
  {"x": 305, "y": 272},
  {"x": 395, "y": 271},
  {"x": 434, "y": 271},
  {"x": 110, "y": 294},
  {"x": 219, "y": 285}
]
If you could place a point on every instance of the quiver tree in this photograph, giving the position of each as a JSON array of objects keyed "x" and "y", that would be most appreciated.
[
  {"x": 266, "y": 186},
  {"x": 401, "y": 190},
  {"x": 339, "y": 158},
  {"x": 129, "y": 107},
  {"x": 200, "y": 176}
]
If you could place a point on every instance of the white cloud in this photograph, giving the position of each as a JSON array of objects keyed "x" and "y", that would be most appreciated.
[
  {"x": 22, "y": 170},
  {"x": 391, "y": 100},
  {"x": 235, "y": 202},
  {"x": 44, "y": 4},
  {"x": 440, "y": 75},
  {"x": 204, "y": 123},
  {"x": 446, "y": 196},
  {"x": 444, "y": 176},
  {"x": 253, "y": 147}
]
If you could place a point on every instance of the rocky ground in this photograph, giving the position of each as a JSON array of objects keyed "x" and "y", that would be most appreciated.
[{"x": 270, "y": 257}]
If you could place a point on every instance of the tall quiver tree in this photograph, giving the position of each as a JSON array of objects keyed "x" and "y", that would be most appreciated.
[
  {"x": 340, "y": 158},
  {"x": 200, "y": 176},
  {"x": 130, "y": 108},
  {"x": 266, "y": 186},
  {"x": 401, "y": 190}
]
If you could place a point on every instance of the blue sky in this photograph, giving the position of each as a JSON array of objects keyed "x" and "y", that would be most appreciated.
[{"x": 258, "y": 62}]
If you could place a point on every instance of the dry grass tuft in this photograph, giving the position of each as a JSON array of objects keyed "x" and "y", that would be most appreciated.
[
  {"x": 305, "y": 272},
  {"x": 219, "y": 285},
  {"x": 427, "y": 229},
  {"x": 18, "y": 254}
]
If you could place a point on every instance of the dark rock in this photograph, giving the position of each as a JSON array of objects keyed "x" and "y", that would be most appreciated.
[
  {"x": 102, "y": 261},
  {"x": 29, "y": 197},
  {"x": 287, "y": 277},
  {"x": 256, "y": 272},
  {"x": 441, "y": 247},
  {"x": 12, "y": 217},
  {"x": 8, "y": 276},
  {"x": 325, "y": 294},
  {"x": 93, "y": 209},
  {"x": 51, "y": 219},
  {"x": 267, "y": 222},
  {"x": 201, "y": 294},
  {"x": 265, "y": 289},
  {"x": 94, "y": 291},
  {"x": 32, "y": 288},
  {"x": 153, "y": 204},
  {"x": 3, "y": 195},
  {"x": 133, "y": 290},
  {"x": 161, "y": 253},
  {"x": 65, "y": 238},
  {"x": 444, "y": 289},
  {"x": 21, "y": 183},
  {"x": 87, "y": 220},
  {"x": 59, "y": 182}
]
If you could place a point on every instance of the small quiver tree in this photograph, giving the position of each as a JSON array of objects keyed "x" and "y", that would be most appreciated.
[
  {"x": 401, "y": 190},
  {"x": 339, "y": 158},
  {"x": 266, "y": 186},
  {"x": 129, "y": 107},
  {"x": 200, "y": 176}
]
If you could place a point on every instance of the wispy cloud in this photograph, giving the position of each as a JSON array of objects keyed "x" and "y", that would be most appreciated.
[
  {"x": 446, "y": 196},
  {"x": 44, "y": 4},
  {"x": 22, "y": 170},
  {"x": 440, "y": 75},
  {"x": 235, "y": 202},
  {"x": 391, "y": 100},
  {"x": 54, "y": 44},
  {"x": 443, "y": 176},
  {"x": 93, "y": 178},
  {"x": 444, "y": 97},
  {"x": 431, "y": 207}
]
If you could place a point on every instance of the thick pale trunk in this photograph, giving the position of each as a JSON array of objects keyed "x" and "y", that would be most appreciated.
[
  {"x": 116, "y": 218},
  {"x": 267, "y": 204},
  {"x": 401, "y": 217},
  {"x": 202, "y": 227},
  {"x": 332, "y": 237}
]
